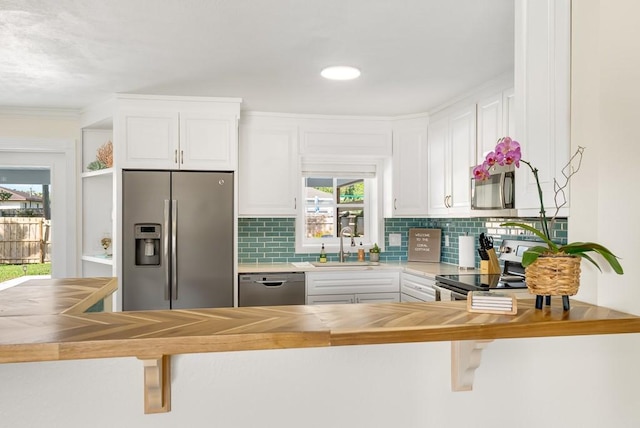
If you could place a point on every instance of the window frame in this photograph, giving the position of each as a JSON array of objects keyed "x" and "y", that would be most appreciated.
[{"x": 345, "y": 168}]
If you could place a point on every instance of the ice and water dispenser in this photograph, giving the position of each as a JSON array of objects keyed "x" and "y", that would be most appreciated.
[{"x": 148, "y": 238}]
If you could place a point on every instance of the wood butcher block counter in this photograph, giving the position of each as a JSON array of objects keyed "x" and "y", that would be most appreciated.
[
  {"x": 154, "y": 335},
  {"x": 55, "y": 296}
]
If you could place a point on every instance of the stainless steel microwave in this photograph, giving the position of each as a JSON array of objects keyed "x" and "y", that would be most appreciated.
[{"x": 494, "y": 197}]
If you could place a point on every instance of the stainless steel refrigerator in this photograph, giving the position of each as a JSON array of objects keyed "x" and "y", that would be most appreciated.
[{"x": 177, "y": 240}]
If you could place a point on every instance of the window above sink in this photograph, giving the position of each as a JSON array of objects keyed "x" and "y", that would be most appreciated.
[{"x": 337, "y": 196}]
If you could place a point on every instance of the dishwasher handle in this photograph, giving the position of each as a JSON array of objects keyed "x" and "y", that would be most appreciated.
[{"x": 272, "y": 283}]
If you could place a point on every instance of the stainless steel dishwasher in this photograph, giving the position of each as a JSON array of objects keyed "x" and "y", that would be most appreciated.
[{"x": 271, "y": 289}]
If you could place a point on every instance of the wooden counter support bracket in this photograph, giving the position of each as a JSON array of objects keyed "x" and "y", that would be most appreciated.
[
  {"x": 157, "y": 384},
  {"x": 465, "y": 359}
]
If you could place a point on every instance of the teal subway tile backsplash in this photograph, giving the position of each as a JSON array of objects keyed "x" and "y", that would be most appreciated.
[{"x": 272, "y": 240}]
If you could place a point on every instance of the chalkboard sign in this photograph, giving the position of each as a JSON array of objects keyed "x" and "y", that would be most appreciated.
[{"x": 424, "y": 245}]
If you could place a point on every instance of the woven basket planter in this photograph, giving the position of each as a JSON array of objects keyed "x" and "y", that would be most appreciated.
[{"x": 554, "y": 275}]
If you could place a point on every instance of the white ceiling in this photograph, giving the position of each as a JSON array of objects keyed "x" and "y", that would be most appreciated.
[{"x": 414, "y": 54}]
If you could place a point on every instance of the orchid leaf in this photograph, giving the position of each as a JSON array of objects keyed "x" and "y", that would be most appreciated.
[
  {"x": 580, "y": 248},
  {"x": 553, "y": 247},
  {"x": 588, "y": 257},
  {"x": 532, "y": 254}
]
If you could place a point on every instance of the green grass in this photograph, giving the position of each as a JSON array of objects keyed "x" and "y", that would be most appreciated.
[{"x": 8, "y": 272}]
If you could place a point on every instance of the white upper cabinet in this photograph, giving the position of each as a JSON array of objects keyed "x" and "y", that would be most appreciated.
[
  {"x": 268, "y": 168},
  {"x": 409, "y": 168},
  {"x": 542, "y": 96},
  {"x": 177, "y": 132},
  {"x": 495, "y": 120},
  {"x": 463, "y": 149},
  {"x": 451, "y": 144},
  {"x": 438, "y": 183},
  {"x": 149, "y": 139},
  {"x": 208, "y": 141}
]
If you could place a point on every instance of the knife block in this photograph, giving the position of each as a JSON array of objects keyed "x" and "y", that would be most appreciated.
[{"x": 491, "y": 266}]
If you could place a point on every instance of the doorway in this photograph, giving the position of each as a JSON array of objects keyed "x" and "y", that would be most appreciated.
[
  {"x": 25, "y": 222},
  {"x": 31, "y": 161}
]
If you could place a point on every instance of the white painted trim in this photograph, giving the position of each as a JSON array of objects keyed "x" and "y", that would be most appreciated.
[
  {"x": 40, "y": 145},
  {"x": 315, "y": 116},
  {"x": 177, "y": 98},
  {"x": 44, "y": 112}
]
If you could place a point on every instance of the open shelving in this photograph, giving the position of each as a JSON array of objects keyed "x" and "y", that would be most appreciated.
[{"x": 97, "y": 206}]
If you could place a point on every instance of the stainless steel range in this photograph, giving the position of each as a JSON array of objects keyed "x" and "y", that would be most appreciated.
[{"x": 511, "y": 278}]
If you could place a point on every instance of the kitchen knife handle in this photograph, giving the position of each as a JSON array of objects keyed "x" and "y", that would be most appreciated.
[
  {"x": 165, "y": 249},
  {"x": 174, "y": 248}
]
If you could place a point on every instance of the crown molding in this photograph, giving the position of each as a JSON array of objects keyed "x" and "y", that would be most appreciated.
[{"x": 33, "y": 111}]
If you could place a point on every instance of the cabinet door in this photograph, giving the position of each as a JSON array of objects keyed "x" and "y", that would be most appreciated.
[
  {"x": 268, "y": 182},
  {"x": 331, "y": 299},
  {"x": 410, "y": 171},
  {"x": 463, "y": 143},
  {"x": 352, "y": 282},
  {"x": 508, "y": 113},
  {"x": 437, "y": 182},
  {"x": 150, "y": 139},
  {"x": 208, "y": 142},
  {"x": 543, "y": 95},
  {"x": 378, "y": 298},
  {"x": 490, "y": 126}
]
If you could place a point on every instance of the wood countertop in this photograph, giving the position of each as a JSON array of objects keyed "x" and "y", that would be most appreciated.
[
  {"x": 55, "y": 296},
  {"x": 47, "y": 336},
  {"x": 52, "y": 327}
]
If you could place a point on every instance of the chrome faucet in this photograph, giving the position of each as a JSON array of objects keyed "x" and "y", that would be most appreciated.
[{"x": 342, "y": 254}]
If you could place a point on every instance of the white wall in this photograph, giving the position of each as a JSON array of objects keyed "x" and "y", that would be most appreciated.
[
  {"x": 605, "y": 112},
  {"x": 56, "y": 124},
  {"x": 570, "y": 382}
]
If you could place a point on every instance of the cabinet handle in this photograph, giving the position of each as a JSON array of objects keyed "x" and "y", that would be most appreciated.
[
  {"x": 295, "y": 203},
  {"x": 182, "y": 157},
  {"x": 175, "y": 156},
  {"x": 446, "y": 205},
  {"x": 395, "y": 204}
]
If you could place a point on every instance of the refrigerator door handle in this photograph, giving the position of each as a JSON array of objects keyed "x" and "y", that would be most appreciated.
[
  {"x": 174, "y": 248},
  {"x": 165, "y": 249}
]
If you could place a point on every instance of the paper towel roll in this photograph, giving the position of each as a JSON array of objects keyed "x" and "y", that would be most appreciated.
[{"x": 466, "y": 252}]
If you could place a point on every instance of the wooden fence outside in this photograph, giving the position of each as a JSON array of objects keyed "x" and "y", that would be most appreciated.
[{"x": 24, "y": 240}]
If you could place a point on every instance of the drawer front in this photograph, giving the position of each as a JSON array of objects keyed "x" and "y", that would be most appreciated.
[
  {"x": 419, "y": 287},
  {"x": 378, "y": 298},
  {"x": 374, "y": 281},
  {"x": 331, "y": 299}
]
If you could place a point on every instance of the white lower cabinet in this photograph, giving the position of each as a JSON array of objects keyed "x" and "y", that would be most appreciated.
[
  {"x": 335, "y": 299},
  {"x": 375, "y": 286},
  {"x": 417, "y": 288}
]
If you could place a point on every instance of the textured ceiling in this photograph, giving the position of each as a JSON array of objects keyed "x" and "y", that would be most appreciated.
[{"x": 414, "y": 54}]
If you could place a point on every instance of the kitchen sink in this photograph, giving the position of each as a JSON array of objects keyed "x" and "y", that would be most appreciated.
[{"x": 344, "y": 264}]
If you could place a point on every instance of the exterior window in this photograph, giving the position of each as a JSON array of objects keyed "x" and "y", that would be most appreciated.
[
  {"x": 339, "y": 193},
  {"x": 332, "y": 204}
]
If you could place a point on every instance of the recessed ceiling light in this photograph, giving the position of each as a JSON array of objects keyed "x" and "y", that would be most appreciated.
[{"x": 341, "y": 72}]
